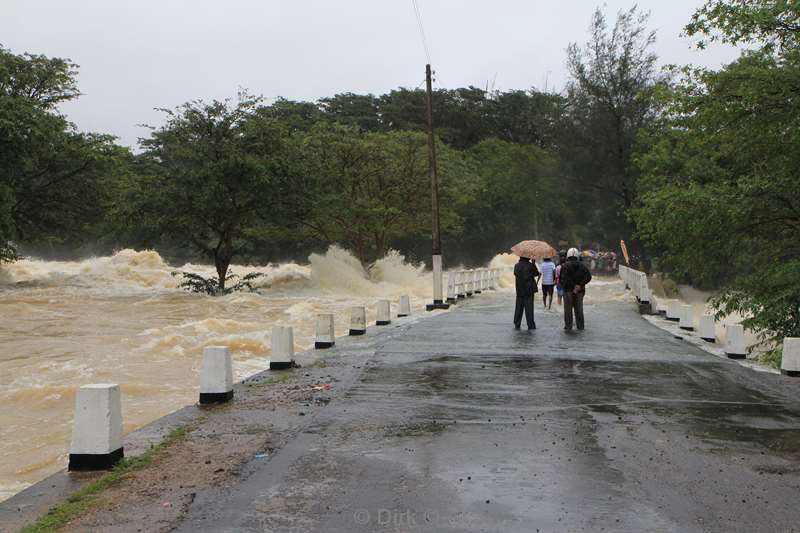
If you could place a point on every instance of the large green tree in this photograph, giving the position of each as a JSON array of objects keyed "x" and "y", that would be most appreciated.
[
  {"x": 719, "y": 188},
  {"x": 54, "y": 180},
  {"x": 610, "y": 99},
  {"x": 212, "y": 177}
]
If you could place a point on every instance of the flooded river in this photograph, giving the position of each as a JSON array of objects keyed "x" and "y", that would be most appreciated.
[{"x": 123, "y": 319}]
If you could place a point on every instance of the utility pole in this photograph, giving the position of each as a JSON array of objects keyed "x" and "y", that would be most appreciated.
[{"x": 438, "y": 301}]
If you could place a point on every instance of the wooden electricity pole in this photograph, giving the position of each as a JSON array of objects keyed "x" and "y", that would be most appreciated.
[{"x": 438, "y": 300}]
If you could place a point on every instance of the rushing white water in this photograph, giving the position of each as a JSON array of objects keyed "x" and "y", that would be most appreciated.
[{"x": 123, "y": 319}]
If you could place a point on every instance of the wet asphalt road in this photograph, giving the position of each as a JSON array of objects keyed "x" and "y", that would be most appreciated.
[{"x": 460, "y": 423}]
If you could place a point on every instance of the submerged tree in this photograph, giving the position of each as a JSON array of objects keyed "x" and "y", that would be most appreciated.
[{"x": 212, "y": 176}]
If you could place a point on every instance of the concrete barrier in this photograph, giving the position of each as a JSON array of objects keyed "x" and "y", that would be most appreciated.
[
  {"x": 734, "y": 341},
  {"x": 674, "y": 310},
  {"x": 97, "y": 428},
  {"x": 384, "y": 313},
  {"x": 706, "y": 328},
  {"x": 405, "y": 306},
  {"x": 358, "y": 320},
  {"x": 470, "y": 276},
  {"x": 686, "y": 317},
  {"x": 790, "y": 361},
  {"x": 325, "y": 337},
  {"x": 477, "y": 277},
  {"x": 216, "y": 375},
  {"x": 461, "y": 288},
  {"x": 451, "y": 288},
  {"x": 282, "y": 348}
]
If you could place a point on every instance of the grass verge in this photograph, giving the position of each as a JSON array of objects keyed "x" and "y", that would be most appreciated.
[{"x": 84, "y": 499}]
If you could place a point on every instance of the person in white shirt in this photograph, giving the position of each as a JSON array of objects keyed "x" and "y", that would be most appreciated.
[{"x": 548, "y": 270}]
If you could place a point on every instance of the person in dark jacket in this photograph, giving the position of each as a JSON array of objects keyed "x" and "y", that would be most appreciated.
[
  {"x": 527, "y": 277},
  {"x": 574, "y": 276}
]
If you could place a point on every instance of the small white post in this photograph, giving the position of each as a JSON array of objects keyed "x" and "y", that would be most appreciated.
[
  {"x": 437, "y": 279},
  {"x": 790, "y": 361},
  {"x": 706, "y": 328},
  {"x": 451, "y": 288},
  {"x": 97, "y": 428},
  {"x": 216, "y": 375},
  {"x": 282, "y": 348},
  {"x": 734, "y": 341},
  {"x": 358, "y": 320},
  {"x": 325, "y": 335},
  {"x": 461, "y": 291},
  {"x": 674, "y": 310},
  {"x": 384, "y": 317},
  {"x": 686, "y": 317},
  {"x": 470, "y": 283},
  {"x": 477, "y": 278},
  {"x": 405, "y": 306}
]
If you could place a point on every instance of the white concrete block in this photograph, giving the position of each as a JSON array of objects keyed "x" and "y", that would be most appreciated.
[
  {"x": 405, "y": 306},
  {"x": 384, "y": 317},
  {"x": 97, "y": 428},
  {"x": 790, "y": 362},
  {"x": 282, "y": 348},
  {"x": 706, "y": 328},
  {"x": 451, "y": 287},
  {"x": 735, "y": 347},
  {"x": 216, "y": 375},
  {"x": 437, "y": 279},
  {"x": 674, "y": 310},
  {"x": 686, "y": 317},
  {"x": 358, "y": 320},
  {"x": 325, "y": 337}
]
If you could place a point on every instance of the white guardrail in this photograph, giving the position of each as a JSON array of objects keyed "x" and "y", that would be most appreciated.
[{"x": 676, "y": 311}]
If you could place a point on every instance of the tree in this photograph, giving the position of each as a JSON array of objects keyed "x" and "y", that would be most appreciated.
[
  {"x": 212, "y": 177},
  {"x": 54, "y": 179},
  {"x": 366, "y": 190},
  {"x": 610, "y": 99},
  {"x": 719, "y": 190}
]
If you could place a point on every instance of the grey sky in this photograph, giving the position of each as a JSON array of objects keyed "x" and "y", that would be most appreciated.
[{"x": 135, "y": 56}]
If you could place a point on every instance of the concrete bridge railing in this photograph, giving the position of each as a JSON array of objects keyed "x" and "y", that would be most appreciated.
[
  {"x": 97, "y": 426},
  {"x": 674, "y": 310}
]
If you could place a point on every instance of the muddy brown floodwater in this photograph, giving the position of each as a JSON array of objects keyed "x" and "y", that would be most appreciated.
[{"x": 123, "y": 319}]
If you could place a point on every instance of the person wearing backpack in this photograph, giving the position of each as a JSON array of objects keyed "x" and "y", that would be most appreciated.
[{"x": 574, "y": 277}]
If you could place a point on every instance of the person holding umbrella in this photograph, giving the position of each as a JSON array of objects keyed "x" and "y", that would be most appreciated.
[{"x": 527, "y": 279}]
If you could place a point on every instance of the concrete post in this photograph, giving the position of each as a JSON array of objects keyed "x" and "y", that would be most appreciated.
[
  {"x": 325, "y": 334},
  {"x": 461, "y": 291},
  {"x": 674, "y": 310},
  {"x": 706, "y": 328},
  {"x": 451, "y": 288},
  {"x": 384, "y": 313},
  {"x": 282, "y": 348},
  {"x": 663, "y": 305},
  {"x": 790, "y": 361},
  {"x": 358, "y": 320},
  {"x": 405, "y": 306},
  {"x": 470, "y": 285},
  {"x": 734, "y": 341},
  {"x": 437, "y": 279},
  {"x": 686, "y": 317},
  {"x": 216, "y": 375},
  {"x": 97, "y": 429}
]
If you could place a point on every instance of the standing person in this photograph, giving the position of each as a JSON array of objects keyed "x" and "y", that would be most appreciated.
[
  {"x": 562, "y": 257},
  {"x": 548, "y": 280},
  {"x": 526, "y": 275},
  {"x": 574, "y": 277}
]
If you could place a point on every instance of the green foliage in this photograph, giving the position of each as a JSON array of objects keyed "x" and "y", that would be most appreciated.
[
  {"x": 718, "y": 188},
  {"x": 211, "y": 176},
  {"x": 196, "y": 283}
]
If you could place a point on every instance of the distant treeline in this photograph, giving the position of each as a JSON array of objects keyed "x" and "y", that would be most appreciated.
[{"x": 697, "y": 169}]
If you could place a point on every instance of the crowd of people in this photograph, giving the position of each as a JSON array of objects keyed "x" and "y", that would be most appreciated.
[{"x": 566, "y": 276}]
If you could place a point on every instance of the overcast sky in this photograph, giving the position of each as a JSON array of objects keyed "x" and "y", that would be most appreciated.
[{"x": 138, "y": 55}]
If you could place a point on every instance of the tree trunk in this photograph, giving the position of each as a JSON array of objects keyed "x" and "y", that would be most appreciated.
[{"x": 222, "y": 262}]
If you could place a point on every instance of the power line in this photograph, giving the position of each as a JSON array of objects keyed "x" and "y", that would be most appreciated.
[{"x": 421, "y": 29}]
